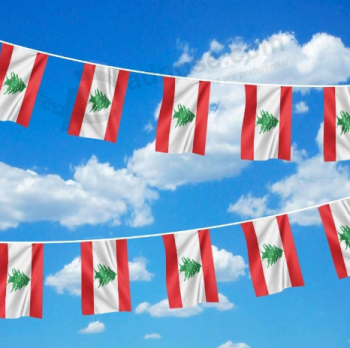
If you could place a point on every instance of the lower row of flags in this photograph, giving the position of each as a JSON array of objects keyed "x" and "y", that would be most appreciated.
[
  {"x": 190, "y": 271},
  {"x": 183, "y": 117}
]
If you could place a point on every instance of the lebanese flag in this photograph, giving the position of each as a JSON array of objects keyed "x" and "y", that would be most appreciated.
[
  {"x": 273, "y": 260},
  {"x": 21, "y": 280},
  {"x": 336, "y": 144},
  {"x": 105, "y": 284},
  {"x": 21, "y": 71},
  {"x": 267, "y": 123},
  {"x": 183, "y": 117},
  {"x": 99, "y": 103},
  {"x": 336, "y": 221},
  {"x": 190, "y": 273}
]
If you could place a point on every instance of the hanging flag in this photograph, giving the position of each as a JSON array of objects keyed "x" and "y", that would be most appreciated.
[
  {"x": 336, "y": 144},
  {"x": 21, "y": 280},
  {"x": 183, "y": 117},
  {"x": 99, "y": 103},
  {"x": 273, "y": 259},
  {"x": 21, "y": 71},
  {"x": 105, "y": 282},
  {"x": 267, "y": 123},
  {"x": 190, "y": 273},
  {"x": 336, "y": 221}
]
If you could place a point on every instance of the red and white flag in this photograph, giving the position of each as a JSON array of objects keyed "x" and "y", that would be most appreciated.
[
  {"x": 21, "y": 71},
  {"x": 105, "y": 284},
  {"x": 99, "y": 103},
  {"x": 336, "y": 221},
  {"x": 190, "y": 273},
  {"x": 21, "y": 280},
  {"x": 267, "y": 123},
  {"x": 183, "y": 117},
  {"x": 273, "y": 260},
  {"x": 336, "y": 144}
]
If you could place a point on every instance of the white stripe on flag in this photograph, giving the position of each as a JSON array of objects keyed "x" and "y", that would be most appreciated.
[
  {"x": 341, "y": 217},
  {"x": 277, "y": 275},
  {"x": 266, "y": 144},
  {"x": 181, "y": 137},
  {"x": 95, "y": 123},
  {"x": 106, "y": 298},
  {"x": 22, "y": 63},
  {"x": 192, "y": 290},
  {"x": 342, "y": 103},
  {"x": 18, "y": 302}
]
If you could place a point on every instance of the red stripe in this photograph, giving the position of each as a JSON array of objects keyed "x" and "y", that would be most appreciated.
[
  {"x": 211, "y": 290},
  {"x": 87, "y": 278},
  {"x": 172, "y": 272},
  {"x": 285, "y": 127},
  {"x": 329, "y": 142},
  {"x": 248, "y": 127},
  {"x": 123, "y": 276},
  {"x": 165, "y": 115},
  {"x": 32, "y": 90},
  {"x": 4, "y": 259},
  {"x": 333, "y": 240},
  {"x": 36, "y": 294},
  {"x": 255, "y": 265},
  {"x": 81, "y": 100},
  {"x": 117, "y": 106},
  {"x": 200, "y": 131},
  {"x": 290, "y": 251},
  {"x": 5, "y": 59}
]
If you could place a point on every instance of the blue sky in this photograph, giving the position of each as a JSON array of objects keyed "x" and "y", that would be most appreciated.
[{"x": 50, "y": 182}]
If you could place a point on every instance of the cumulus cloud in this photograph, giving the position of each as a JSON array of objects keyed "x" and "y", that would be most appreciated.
[
  {"x": 93, "y": 328},
  {"x": 161, "y": 309},
  {"x": 68, "y": 279},
  {"x": 216, "y": 46},
  {"x": 96, "y": 194},
  {"x": 153, "y": 336},
  {"x": 249, "y": 206},
  {"x": 301, "y": 108},
  {"x": 230, "y": 344},
  {"x": 186, "y": 56}
]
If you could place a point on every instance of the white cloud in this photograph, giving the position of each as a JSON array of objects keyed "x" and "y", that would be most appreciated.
[
  {"x": 96, "y": 194},
  {"x": 153, "y": 336},
  {"x": 216, "y": 46},
  {"x": 230, "y": 344},
  {"x": 249, "y": 206},
  {"x": 161, "y": 309},
  {"x": 93, "y": 328},
  {"x": 301, "y": 108},
  {"x": 68, "y": 279},
  {"x": 148, "y": 127},
  {"x": 228, "y": 267},
  {"x": 185, "y": 57}
]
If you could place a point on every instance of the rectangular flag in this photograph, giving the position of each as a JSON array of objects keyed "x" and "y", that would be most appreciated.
[
  {"x": 21, "y": 71},
  {"x": 105, "y": 285},
  {"x": 273, "y": 260},
  {"x": 267, "y": 123},
  {"x": 99, "y": 103},
  {"x": 190, "y": 273},
  {"x": 336, "y": 131},
  {"x": 336, "y": 221},
  {"x": 21, "y": 280},
  {"x": 183, "y": 117}
]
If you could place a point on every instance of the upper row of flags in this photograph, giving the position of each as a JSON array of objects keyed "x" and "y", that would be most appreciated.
[
  {"x": 183, "y": 117},
  {"x": 190, "y": 271}
]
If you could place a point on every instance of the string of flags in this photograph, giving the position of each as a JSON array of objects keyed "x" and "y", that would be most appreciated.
[
  {"x": 189, "y": 264},
  {"x": 183, "y": 117}
]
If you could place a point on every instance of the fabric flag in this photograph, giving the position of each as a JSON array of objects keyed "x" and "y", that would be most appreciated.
[
  {"x": 190, "y": 273},
  {"x": 336, "y": 221},
  {"x": 273, "y": 259},
  {"x": 99, "y": 103},
  {"x": 21, "y": 71},
  {"x": 336, "y": 144},
  {"x": 21, "y": 280},
  {"x": 105, "y": 282},
  {"x": 267, "y": 123},
  {"x": 183, "y": 117}
]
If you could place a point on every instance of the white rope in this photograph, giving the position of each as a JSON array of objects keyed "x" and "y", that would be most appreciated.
[
  {"x": 176, "y": 232},
  {"x": 173, "y": 76}
]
